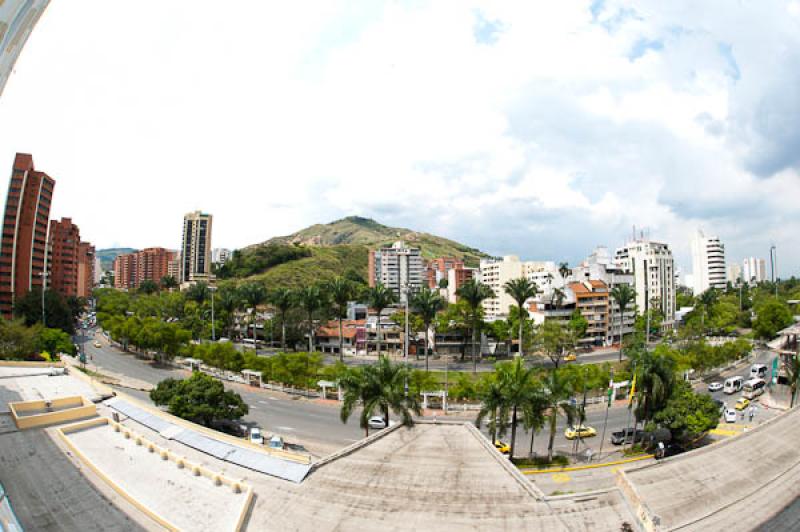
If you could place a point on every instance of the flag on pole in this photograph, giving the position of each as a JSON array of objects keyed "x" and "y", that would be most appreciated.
[{"x": 633, "y": 391}]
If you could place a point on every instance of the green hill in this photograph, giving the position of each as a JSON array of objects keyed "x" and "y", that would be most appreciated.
[
  {"x": 355, "y": 230},
  {"x": 107, "y": 256},
  {"x": 323, "y": 251}
]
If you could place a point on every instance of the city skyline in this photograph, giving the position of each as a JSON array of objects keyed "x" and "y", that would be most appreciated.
[{"x": 651, "y": 117}]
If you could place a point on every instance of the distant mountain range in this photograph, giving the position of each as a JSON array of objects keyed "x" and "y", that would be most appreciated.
[
  {"x": 342, "y": 247},
  {"x": 107, "y": 256}
]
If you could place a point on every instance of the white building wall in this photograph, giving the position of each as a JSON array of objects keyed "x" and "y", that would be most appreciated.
[
  {"x": 754, "y": 270},
  {"x": 708, "y": 263},
  {"x": 653, "y": 268}
]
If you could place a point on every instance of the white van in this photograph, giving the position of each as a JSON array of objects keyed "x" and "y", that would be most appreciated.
[
  {"x": 758, "y": 371},
  {"x": 733, "y": 385},
  {"x": 753, "y": 388}
]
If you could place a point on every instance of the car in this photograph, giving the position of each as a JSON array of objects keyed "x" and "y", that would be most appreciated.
[
  {"x": 256, "y": 437},
  {"x": 730, "y": 415},
  {"x": 276, "y": 442},
  {"x": 721, "y": 405},
  {"x": 714, "y": 386},
  {"x": 571, "y": 357},
  {"x": 97, "y": 344},
  {"x": 742, "y": 403},
  {"x": 502, "y": 447},
  {"x": 376, "y": 422},
  {"x": 626, "y": 436},
  {"x": 579, "y": 432}
]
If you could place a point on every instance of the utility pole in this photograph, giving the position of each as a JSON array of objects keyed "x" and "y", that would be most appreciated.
[
  {"x": 405, "y": 344},
  {"x": 630, "y": 408},
  {"x": 608, "y": 407},
  {"x": 773, "y": 260}
]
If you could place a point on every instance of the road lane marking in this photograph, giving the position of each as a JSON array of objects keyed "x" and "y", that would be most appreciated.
[
  {"x": 284, "y": 428},
  {"x": 560, "y": 478}
]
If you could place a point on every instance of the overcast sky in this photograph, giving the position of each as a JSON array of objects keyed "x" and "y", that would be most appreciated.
[{"x": 536, "y": 128}]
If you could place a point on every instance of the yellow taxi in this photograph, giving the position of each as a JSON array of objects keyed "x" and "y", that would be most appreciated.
[
  {"x": 579, "y": 432},
  {"x": 742, "y": 403},
  {"x": 97, "y": 344},
  {"x": 502, "y": 447},
  {"x": 571, "y": 357}
]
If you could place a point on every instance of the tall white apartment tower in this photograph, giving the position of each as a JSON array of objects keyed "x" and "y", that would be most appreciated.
[
  {"x": 708, "y": 263},
  {"x": 653, "y": 269},
  {"x": 495, "y": 273},
  {"x": 398, "y": 268},
  {"x": 196, "y": 248},
  {"x": 754, "y": 270}
]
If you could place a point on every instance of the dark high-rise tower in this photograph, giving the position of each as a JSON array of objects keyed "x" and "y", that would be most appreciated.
[{"x": 23, "y": 249}]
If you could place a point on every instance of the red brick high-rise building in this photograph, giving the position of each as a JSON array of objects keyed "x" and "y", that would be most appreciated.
[
  {"x": 23, "y": 248},
  {"x": 437, "y": 269},
  {"x": 85, "y": 269},
  {"x": 65, "y": 238},
  {"x": 150, "y": 264}
]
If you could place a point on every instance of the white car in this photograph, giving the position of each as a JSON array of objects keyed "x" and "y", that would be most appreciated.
[
  {"x": 730, "y": 415},
  {"x": 714, "y": 386},
  {"x": 256, "y": 436},
  {"x": 376, "y": 422}
]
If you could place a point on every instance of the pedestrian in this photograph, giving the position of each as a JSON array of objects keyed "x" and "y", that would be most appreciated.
[{"x": 751, "y": 411}]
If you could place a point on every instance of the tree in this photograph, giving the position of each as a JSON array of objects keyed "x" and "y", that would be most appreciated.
[
  {"x": 533, "y": 413},
  {"x": 772, "y": 316},
  {"x": 623, "y": 295},
  {"x": 493, "y": 406},
  {"x": 564, "y": 270},
  {"x": 198, "y": 292},
  {"x": 517, "y": 384},
  {"x": 311, "y": 299},
  {"x": 427, "y": 304},
  {"x": 169, "y": 282},
  {"x": 655, "y": 380},
  {"x": 687, "y": 414},
  {"x": 520, "y": 291},
  {"x": 556, "y": 396},
  {"x": 200, "y": 398},
  {"x": 578, "y": 325},
  {"x": 792, "y": 367},
  {"x": 17, "y": 341},
  {"x": 474, "y": 293},
  {"x": 228, "y": 301},
  {"x": 148, "y": 287},
  {"x": 57, "y": 313},
  {"x": 341, "y": 292},
  {"x": 77, "y": 305},
  {"x": 283, "y": 300},
  {"x": 379, "y": 297},
  {"x": 253, "y": 294},
  {"x": 555, "y": 339},
  {"x": 557, "y": 297},
  {"x": 379, "y": 387},
  {"x": 55, "y": 341}
]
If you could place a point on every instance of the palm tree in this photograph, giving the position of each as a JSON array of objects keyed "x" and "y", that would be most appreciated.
[
  {"x": 198, "y": 292},
  {"x": 557, "y": 397},
  {"x": 427, "y": 304},
  {"x": 228, "y": 301},
  {"x": 557, "y": 297},
  {"x": 311, "y": 299},
  {"x": 564, "y": 270},
  {"x": 655, "y": 379},
  {"x": 493, "y": 406},
  {"x": 793, "y": 375},
  {"x": 379, "y": 297},
  {"x": 520, "y": 291},
  {"x": 283, "y": 300},
  {"x": 253, "y": 294},
  {"x": 341, "y": 292},
  {"x": 516, "y": 383},
  {"x": 623, "y": 295},
  {"x": 707, "y": 300},
  {"x": 474, "y": 293},
  {"x": 379, "y": 387},
  {"x": 168, "y": 282},
  {"x": 533, "y": 414}
]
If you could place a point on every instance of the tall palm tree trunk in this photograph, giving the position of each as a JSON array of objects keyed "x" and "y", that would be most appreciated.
[
  {"x": 553, "y": 416},
  {"x": 310, "y": 332},
  {"x": 341, "y": 341},
  {"x": 474, "y": 354},
  {"x": 427, "y": 332},
  {"x": 513, "y": 430},
  {"x": 519, "y": 349},
  {"x": 533, "y": 435},
  {"x": 378, "y": 334},
  {"x": 283, "y": 333}
]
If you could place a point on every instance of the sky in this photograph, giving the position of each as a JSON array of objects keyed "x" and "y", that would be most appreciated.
[{"x": 535, "y": 128}]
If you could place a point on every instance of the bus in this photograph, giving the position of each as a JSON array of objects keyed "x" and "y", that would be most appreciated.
[{"x": 753, "y": 388}]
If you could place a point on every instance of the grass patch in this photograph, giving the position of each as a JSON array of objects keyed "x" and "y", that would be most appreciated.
[
  {"x": 636, "y": 450},
  {"x": 541, "y": 462}
]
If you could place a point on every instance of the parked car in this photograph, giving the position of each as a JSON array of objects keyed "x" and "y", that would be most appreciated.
[
  {"x": 276, "y": 442},
  {"x": 256, "y": 437},
  {"x": 742, "y": 403},
  {"x": 579, "y": 432},
  {"x": 714, "y": 386},
  {"x": 722, "y": 406},
  {"x": 502, "y": 447},
  {"x": 667, "y": 450},
  {"x": 376, "y": 422},
  {"x": 627, "y": 436},
  {"x": 97, "y": 344},
  {"x": 571, "y": 357},
  {"x": 730, "y": 415}
]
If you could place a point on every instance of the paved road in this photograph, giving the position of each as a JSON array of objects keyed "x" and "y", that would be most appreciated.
[{"x": 315, "y": 425}]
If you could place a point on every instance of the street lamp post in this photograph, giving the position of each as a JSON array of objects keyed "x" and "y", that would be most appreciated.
[{"x": 44, "y": 286}]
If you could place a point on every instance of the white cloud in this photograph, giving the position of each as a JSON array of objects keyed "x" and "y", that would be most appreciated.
[{"x": 559, "y": 131}]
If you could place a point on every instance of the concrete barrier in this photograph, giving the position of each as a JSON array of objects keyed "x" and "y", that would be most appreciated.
[
  {"x": 63, "y": 409},
  {"x": 29, "y": 364}
]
